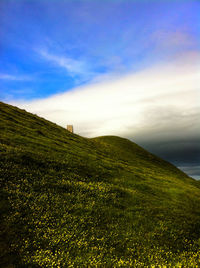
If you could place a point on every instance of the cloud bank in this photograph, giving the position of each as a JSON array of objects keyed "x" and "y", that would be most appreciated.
[{"x": 158, "y": 108}]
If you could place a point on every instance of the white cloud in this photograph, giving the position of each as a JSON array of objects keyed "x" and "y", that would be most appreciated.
[
  {"x": 73, "y": 67},
  {"x": 169, "y": 39},
  {"x": 159, "y": 102},
  {"x": 14, "y": 77}
]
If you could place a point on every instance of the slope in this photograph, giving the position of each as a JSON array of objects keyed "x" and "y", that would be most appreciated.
[{"x": 71, "y": 201}]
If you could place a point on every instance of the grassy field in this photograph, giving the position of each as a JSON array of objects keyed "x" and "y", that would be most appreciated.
[{"x": 69, "y": 201}]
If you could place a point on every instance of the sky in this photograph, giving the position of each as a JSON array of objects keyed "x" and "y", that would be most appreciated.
[{"x": 109, "y": 67}]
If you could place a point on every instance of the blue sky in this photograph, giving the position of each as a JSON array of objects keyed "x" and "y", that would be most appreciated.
[
  {"x": 47, "y": 47},
  {"x": 120, "y": 67}
]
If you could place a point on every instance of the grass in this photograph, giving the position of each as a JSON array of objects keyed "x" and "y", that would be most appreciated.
[{"x": 68, "y": 201}]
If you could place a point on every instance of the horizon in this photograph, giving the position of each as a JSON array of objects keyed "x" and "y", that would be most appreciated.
[{"x": 124, "y": 68}]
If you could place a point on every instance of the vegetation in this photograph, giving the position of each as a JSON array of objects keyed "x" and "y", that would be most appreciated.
[{"x": 68, "y": 201}]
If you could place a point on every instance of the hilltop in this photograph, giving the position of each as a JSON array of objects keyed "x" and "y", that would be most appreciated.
[{"x": 72, "y": 201}]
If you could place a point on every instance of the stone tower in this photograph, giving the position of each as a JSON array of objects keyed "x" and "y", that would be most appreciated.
[{"x": 70, "y": 128}]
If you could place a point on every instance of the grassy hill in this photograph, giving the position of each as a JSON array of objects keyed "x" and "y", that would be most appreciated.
[{"x": 68, "y": 201}]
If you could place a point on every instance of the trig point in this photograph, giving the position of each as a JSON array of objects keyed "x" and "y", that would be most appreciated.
[{"x": 70, "y": 128}]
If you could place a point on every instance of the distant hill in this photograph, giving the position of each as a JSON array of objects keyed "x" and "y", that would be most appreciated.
[{"x": 69, "y": 201}]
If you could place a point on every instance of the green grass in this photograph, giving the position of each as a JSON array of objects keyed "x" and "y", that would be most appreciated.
[{"x": 68, "y": 201}]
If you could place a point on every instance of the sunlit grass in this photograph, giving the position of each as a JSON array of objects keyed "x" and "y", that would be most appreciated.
[{"x": 69, "y": 201}]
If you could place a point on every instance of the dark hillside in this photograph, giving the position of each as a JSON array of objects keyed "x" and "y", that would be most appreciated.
[
  {"x": 70, "y": 201},
  {"x": 127, "y": 151}
]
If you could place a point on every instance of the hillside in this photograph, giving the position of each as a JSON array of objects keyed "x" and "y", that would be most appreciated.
[{"x": 69, "y": 201}]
